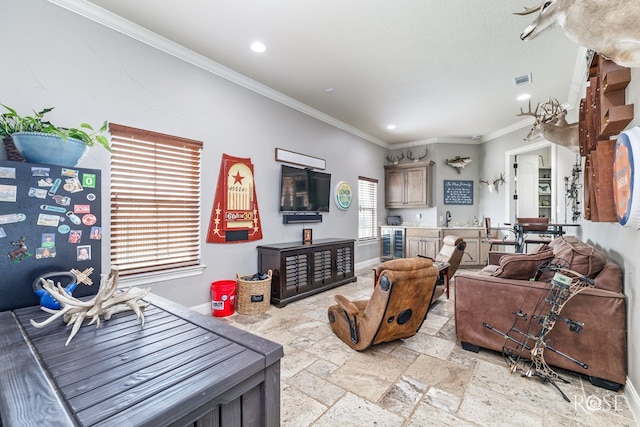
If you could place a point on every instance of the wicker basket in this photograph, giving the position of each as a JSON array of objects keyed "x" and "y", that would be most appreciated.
[
  {"x": 253, "y": 296},
  {"x": 12, "y": 152}
]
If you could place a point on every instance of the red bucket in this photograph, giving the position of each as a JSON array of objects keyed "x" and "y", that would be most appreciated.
[{"x": 223, "y": 297}]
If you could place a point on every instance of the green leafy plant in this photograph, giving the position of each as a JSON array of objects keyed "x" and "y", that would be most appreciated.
[{"x": 11, "y": 122}]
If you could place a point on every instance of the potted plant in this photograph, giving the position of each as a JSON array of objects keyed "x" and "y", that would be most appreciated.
[{"x": 39, "y": 141}]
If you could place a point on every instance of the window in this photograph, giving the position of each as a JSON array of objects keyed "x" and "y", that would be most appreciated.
[
  {"x": 367, "y": 208},
  {"x": 155, "y": 201}
]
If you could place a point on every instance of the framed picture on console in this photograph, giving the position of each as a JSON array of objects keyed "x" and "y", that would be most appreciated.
[{"x": 307, "y": 236}]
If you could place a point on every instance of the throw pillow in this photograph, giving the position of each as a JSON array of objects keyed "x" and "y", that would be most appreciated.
[
  {"x": 582, "y": 257},
  {"x": 521, "y": 266}
]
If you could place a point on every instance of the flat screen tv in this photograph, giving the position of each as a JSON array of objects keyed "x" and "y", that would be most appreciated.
[{"x": 304, "y": 190}]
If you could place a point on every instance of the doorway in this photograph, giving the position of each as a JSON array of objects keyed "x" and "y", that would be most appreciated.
[{"x": 523, "y": 182}]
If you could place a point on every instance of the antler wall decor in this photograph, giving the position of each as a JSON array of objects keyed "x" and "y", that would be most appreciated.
[
  {"x": 495, "y": 184},
  {"x": 410, "y": 155},
  {"x": 394, "y": 159},
  {"x": 458, "y": 163}
]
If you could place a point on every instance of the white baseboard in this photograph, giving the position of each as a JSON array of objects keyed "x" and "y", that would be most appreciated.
[
  {"x": 633, "y": 399},
  {"x": 368, "y": 263},
  {"x": 202, "y": 308}
]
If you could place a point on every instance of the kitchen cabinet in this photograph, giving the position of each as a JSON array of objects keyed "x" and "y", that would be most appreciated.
[
  {"x": 303, "y": 270},
  {"x": 423, "y": 241},
  {"x": 428, "y": 241},
  {"x": 408, "y": 185},
  {"x": 472, "y": 253}
]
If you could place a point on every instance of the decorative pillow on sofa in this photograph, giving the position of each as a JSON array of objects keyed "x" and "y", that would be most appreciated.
[
  {"x": 521, "y": 266},
  {"x": 582, "y": 257}
]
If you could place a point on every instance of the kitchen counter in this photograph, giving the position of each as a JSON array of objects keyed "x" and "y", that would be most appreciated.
[
  {"x": 415, "y": 239},
  {"x": 436, "y": 227}
]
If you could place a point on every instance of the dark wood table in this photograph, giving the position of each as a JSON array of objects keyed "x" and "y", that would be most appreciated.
[
  {"x": 443, "y": 270},
  {"x": 521, "y": 229},
  {"x": 182, "y": 368}
]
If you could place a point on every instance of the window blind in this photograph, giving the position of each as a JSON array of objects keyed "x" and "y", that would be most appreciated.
[
  {"x": 367, "y": 208},
  {"x": 155, "y": 201}
]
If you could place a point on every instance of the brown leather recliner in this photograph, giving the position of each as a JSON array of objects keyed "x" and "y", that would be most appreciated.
[
  {"x": 396, "y": 309},
  {"x": 452, "y": 250}
]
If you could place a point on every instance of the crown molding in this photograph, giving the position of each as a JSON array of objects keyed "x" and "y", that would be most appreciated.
[{"x": 141, "y": 34}]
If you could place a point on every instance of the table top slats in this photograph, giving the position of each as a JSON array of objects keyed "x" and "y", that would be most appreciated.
[
  {"x": 141, "y": 363},
  {"x": 122, "y": 395},
  {"x": 92, "y": 335},
  {"x": 26, "y": 394},
  {"x": 44, "y": 333},
  {"x": 122, "y": 349},
  {"x": 123, "y": 373}
]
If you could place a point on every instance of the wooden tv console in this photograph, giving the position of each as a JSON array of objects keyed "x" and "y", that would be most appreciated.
[{"x": 303, "y": 270}]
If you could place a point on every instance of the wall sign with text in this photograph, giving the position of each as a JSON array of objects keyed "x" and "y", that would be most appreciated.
[
  {"x": 457, "y": 192},
  {"x": 343, "y": 195},
  {"x": 235, "y": 217}
]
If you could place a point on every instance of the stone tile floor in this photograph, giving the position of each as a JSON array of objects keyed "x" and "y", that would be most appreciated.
[{"x": 425, "y": 380}]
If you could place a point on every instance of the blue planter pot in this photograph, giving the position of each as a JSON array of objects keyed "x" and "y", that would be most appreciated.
[{"x": 49, "y": 149}]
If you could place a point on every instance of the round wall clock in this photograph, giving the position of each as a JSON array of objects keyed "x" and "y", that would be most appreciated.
[{"x": 343, "y": 195}]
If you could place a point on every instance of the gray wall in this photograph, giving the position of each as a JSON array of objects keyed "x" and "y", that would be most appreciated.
[
  {"x": 90, "y": 73},
  {"x": 439, "y": 153}
]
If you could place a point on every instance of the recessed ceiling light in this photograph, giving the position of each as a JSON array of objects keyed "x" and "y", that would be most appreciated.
[
  {"x": 391, "y": 127},
  {"x": 258, "y": 47},
  {"x": 524, "y": 97}
]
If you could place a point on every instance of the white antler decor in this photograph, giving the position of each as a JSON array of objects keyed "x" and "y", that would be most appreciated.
[
  {"x": 550, "y": 123},
  {"x": 106, "y": 303},
  {"x": 410, "y": 155},
  {"x": 394, "y": 159},
  {"x": 495, "y": 185},
  {"x": 608, "y": 27}
]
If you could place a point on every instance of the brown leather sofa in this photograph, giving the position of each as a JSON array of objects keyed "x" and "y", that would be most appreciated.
[{"x": 494, "y": 295}]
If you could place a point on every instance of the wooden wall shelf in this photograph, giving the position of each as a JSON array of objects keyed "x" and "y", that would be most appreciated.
[
  {"x": 616, "y": 119},
  {"x": 604, "y": 113},
  {"x": 616, "y": 80}
]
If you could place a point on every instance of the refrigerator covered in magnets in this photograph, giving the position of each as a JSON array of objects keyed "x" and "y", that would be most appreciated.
[{"x": 50, "y": 221}]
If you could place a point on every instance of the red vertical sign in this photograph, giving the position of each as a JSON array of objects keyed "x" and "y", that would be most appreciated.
[{"x": 235, "y": 217}]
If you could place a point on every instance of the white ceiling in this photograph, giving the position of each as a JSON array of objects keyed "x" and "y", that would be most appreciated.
[{"x": 439, "y": 70}]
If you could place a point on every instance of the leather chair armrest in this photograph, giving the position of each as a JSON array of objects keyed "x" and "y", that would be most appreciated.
[{"x": 347, "y": 305}]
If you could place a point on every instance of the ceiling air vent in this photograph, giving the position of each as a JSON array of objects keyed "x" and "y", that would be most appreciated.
[{"x": 522, "y": 80}]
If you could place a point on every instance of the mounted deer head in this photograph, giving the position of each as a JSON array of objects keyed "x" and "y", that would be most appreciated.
[
  {"x": 410, "y": 155},
  {"x": 394, "y": 159},
  {"x": 550, "y": 123},
  {"x": 608, "y": 28}
]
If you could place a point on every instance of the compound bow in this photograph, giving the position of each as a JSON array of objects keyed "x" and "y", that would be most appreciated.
[{"x": 564, "y": 285}]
